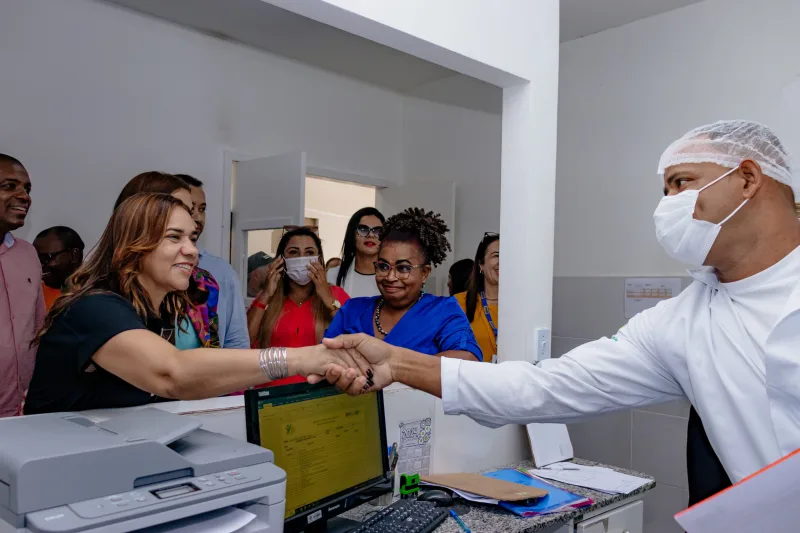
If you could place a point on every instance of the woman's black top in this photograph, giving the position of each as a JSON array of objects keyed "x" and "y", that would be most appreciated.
[{"x": 65, "y": 378}]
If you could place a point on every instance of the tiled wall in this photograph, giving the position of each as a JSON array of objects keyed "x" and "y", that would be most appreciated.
[{"x": 651, "y": 440}]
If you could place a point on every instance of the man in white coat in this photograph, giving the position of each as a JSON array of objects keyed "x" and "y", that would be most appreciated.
[{"x": 730, "y": 342}]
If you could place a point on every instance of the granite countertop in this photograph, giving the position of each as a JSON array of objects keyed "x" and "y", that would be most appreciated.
[{"x": 487, "y": 518}]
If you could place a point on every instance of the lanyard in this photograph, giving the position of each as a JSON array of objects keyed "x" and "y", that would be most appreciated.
[{"x": 488, "y": 315}]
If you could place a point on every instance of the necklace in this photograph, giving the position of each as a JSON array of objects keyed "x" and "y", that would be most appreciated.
[{"x": 379, "y": 308}]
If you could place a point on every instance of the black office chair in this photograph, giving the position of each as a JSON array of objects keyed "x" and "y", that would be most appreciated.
[{"x": 706, "y": 475}]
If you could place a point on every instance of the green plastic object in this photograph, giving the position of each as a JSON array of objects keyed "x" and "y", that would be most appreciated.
[{"x": 409, "y": 484}]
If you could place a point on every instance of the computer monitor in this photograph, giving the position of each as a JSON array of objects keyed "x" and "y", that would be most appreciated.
[{"x": 332, "y": 446}]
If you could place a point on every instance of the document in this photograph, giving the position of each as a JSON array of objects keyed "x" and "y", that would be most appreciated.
[
  {"x": 765, "y": 501},
  {"x": 592, "y": 477},
  {"x": 644, "y": 293},
  {"x": 415, "y": 442}
]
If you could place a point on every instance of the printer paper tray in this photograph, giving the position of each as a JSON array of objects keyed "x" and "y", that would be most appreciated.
[{"x": 141, "y": 518}]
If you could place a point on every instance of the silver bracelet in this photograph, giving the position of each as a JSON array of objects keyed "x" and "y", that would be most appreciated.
[
  {"x": 262, "y": 361},
  {"x": 273, "y": 362}
]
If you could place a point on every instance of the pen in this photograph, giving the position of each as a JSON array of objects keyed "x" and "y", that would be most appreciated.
[
  {"x": 393, "y": 456},
  {"x": 460, "y": 522},
  {"x": 523, "y": 471},
  {"x": 559, "y": 468}
]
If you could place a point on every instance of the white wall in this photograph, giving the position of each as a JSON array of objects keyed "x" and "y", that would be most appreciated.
[
  {"x": 445, "y": 143},
  {"x": 88, "y": 109},
  {"x": 93, "y": 94},
  {"x": 626, "y": 93},
  {"x": 512, "y": 44}
]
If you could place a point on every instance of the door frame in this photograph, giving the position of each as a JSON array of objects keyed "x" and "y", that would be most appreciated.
[
  {"x": 241, "y": 243},
  {"x": 231, "y": 157}
]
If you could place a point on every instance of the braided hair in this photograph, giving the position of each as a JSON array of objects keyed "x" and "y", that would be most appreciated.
[{"x": 426, "y": 228}]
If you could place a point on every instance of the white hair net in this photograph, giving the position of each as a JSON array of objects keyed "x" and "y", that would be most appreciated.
[{"x": 729, "y": 142}]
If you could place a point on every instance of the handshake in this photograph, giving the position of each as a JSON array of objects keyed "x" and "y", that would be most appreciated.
[{"x": 354, "y": 363}]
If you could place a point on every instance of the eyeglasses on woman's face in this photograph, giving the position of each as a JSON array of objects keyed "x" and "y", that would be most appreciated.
[
  {"x": 402, "y": 271},
  {"x": 364, "y": 231}
]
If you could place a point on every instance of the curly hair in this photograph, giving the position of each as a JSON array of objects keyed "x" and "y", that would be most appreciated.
[{"x": 423, "y": 227}]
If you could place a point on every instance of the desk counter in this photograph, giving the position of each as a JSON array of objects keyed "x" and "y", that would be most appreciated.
[{"x": 489, "y": 518}]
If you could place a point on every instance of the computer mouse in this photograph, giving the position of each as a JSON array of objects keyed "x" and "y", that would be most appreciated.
[{"x": 439, "y": 497}]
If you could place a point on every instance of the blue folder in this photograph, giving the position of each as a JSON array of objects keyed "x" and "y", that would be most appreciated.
[{"x": 556, "y": 498}]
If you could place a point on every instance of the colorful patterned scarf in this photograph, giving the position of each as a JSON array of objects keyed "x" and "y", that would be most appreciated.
[{"x": 204, "y": 294}]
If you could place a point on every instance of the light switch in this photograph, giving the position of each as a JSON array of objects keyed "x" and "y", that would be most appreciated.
[{"x": 542, "y": 343}]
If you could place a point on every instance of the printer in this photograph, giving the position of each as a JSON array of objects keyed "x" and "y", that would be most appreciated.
[{"x": 64, "y": 473}]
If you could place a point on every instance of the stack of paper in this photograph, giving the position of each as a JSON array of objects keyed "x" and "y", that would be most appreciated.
[{"x": 591, "y": 477}]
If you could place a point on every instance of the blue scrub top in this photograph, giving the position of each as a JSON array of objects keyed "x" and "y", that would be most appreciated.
[{"x": 433, "y": 325}]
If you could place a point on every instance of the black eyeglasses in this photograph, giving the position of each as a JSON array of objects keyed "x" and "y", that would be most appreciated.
[
  {"x": 402, "y": 271},
  {"x": 490, "y": 234},
  {"x": 46, "y": 258},
  {"x": 364, "y": 230}
]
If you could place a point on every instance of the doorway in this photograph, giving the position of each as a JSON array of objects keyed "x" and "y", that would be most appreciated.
[
  {"x": 329, "y": 204},
  {"x": 269, "y": 193}
]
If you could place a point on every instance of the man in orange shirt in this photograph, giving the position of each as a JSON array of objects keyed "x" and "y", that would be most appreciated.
[{"x": 60, "y": 251}]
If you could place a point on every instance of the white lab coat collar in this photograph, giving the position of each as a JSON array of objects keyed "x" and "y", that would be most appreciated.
[
  {"x": 705, "y": 275},
  {"x": 9, "y": 240}
]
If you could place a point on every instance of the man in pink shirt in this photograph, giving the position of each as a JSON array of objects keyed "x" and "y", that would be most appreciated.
[{"x": 21, "y": 303}]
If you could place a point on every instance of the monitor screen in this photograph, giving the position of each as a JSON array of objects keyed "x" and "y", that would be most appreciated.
[{"x": 329, "y": 444}]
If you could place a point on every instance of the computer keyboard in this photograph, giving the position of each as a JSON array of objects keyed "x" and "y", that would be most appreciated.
[{"x": 404, "y": 516}]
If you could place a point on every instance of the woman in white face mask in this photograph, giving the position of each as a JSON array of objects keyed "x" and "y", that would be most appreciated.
[{"x": 297, "y": 303}]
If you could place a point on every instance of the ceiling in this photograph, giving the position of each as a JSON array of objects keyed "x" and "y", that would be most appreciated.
[
  {"x": 580, "y": 18},
  {"x": 262, "y": 25}
]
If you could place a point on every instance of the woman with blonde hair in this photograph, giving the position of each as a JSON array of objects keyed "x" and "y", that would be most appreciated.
[
  {"x": 205, "y": 324},
  {"x": 297, "y": 304},
  {"x": 103, "y": 343}
]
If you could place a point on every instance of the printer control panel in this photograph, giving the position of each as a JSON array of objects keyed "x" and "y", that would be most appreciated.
[{"x": 146, "y": 496}]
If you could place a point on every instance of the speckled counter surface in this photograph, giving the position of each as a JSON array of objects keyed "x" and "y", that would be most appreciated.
[{"x": 488, "y": 518}]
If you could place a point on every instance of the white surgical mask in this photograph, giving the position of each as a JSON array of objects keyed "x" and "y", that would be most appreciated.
[
  {"x": 685, "y": 238},
  {"x": 297, "y": 269}
]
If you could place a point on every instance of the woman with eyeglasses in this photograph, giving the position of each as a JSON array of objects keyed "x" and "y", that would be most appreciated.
[
  {"x": 479, "y": 302},
  {"x": 356, "y": 274},
  {"x": 297, "y": 304},
  {"x": 403, "y": 315}
]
